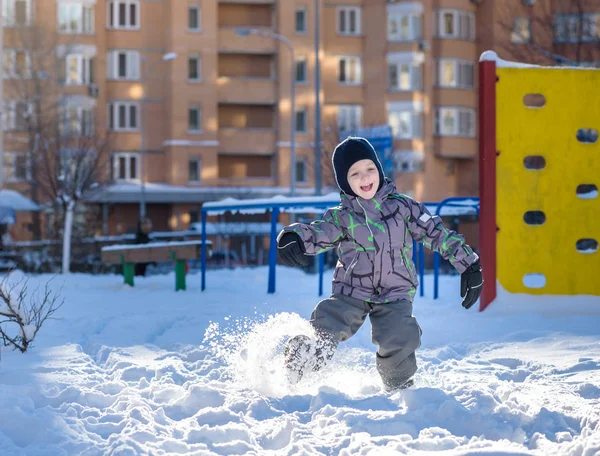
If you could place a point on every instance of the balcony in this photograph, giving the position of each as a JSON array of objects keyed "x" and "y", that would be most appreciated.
[
  {"x": 229, "y": 41},
  {"x": 242, "y": 141},
  {"x": 246, "y": 90},
  {"x": 455, "y": 147}
]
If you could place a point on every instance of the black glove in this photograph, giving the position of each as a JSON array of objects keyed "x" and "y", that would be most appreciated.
[
  {"x": 290, "y": 248},
  {"x": 471, "y": 282}
]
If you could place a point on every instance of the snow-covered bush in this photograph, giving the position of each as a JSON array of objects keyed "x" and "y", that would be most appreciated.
[{"x": 22, "y": 313}]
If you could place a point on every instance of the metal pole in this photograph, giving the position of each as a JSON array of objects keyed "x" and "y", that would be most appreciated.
[
  {"x": 318, "y": 171},
  {"x": 273, "y": 251},
  {"x": 142, "y": 146},
  {"x": 203, "y": 247},
  {"x": 2, "y": 170},
  {"x": 292, "y": 122}
]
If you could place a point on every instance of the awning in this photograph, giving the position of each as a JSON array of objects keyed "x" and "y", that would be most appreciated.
[
  {"x": 169, "y": 194},
  {"x": 17, "y": 202}
]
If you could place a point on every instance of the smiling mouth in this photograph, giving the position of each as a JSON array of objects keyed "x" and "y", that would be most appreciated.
[{"x": 366, "y": 188}]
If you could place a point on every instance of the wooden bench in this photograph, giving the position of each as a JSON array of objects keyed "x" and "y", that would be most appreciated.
[{"x": 129, "y": 255}]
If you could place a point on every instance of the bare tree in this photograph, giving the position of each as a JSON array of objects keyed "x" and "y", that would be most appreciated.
[
  {"x": 66, "y": 147},
  {"x": 22, "y": 315},
  {"x": 330, "y": 138},
  {"x": 551, "y": 32},
  {"x": 31, "y": 94},
  {"x": 71, "y": 163}
]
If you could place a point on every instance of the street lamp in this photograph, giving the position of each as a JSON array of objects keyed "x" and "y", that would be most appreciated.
[
  {"x": 287, "y": 42},
  {"x": 165, "y": 58},
  {"x": 318, "y": 172}
]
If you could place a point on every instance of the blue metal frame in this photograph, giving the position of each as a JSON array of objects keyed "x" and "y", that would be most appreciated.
[
  {"x": 277, "y": 208},
  {"x": 436, "y": 255}
]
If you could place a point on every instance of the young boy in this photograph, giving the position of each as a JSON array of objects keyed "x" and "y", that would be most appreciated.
[{"x": 373, "y": 229}]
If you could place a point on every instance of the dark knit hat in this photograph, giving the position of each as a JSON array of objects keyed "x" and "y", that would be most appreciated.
[{"x": 348, "y": 152}]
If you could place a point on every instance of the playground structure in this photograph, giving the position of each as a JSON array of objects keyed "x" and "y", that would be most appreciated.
[
  {"x": 539, "y": 176},
  {"x": 277, "y": 205},
  {"x": 539, "y": 163}
]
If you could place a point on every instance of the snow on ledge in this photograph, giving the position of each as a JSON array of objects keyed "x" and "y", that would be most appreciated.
[
  {"x": 491, "y": 56},
  {"x": 150, "y": 244}
]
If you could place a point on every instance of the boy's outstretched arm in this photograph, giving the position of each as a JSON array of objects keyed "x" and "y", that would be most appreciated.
[
  {"x": 430, "y": 230},
  {"x": 320, "y": 235}
]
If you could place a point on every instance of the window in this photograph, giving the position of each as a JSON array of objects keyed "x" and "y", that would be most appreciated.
[
  {"x": 194, "y": 120},
  {"x": 16, "y": 115},
  {"x": 406, "y": 119},
  {"x": 123, "y": 116},
  {"x": 194, "y": 68},
  {"x": 455, "y": 73},
  {"x": 123, "y": 14},
  {"x": 348, "y": 20},
  {"x": 456, "y": 24},
  {"x": 301, "y": 120},
  {"x": 404, "y": 27},
  {"x": 301, "y": 70},
  {"x": 576, "y": 28},
  {"x": 521, "y": 30},
  {"x": 77, "y": 70},
  {"x": 75, "y": 18},
  {"x": 194, "y": 170},
  {"x": 17, "y": 64},
  {"x": 194, "y": 17},
  {"x": 124, "y": 65},
  {"x": 590, "y": 27},
  {"x": 349, "y": 70},
  {"x": 300, "y": 170},
  {"x": 409, "y": 161},
  {"x": 77, "y": 121},
  {"x": 17, "y": 12},
  {"x": 300, "y": 20},
  {"x": 17, "y": 166},
  {"x": 455, "y": 122},
  {"x": 349, "y": 118},
  {"x": 405, "y": 76},
  {"x": 126, "y": 166}
]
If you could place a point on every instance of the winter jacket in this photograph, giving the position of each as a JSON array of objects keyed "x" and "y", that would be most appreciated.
[{"x": 374, "y": 240}]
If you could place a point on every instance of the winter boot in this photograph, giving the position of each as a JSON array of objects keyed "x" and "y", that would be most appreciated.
[
  {"x": 299, "y": 357},
  {"x": 303, "y": 355},
  {"x": 392, "y": 387}
]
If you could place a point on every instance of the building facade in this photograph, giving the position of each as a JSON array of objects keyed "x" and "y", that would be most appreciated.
[{"x": 196, "y": 94}]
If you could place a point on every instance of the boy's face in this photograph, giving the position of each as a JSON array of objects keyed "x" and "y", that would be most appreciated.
[{"x": 363, "y": 178}]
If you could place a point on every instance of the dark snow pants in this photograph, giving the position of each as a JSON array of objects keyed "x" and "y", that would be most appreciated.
[{"x": 394, "y": 330}]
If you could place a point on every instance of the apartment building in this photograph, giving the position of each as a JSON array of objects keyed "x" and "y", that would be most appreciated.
[{"x": 198, "y": 110}]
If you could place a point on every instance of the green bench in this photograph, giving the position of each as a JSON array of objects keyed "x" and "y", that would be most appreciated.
[{"x": 129, "y": 255}]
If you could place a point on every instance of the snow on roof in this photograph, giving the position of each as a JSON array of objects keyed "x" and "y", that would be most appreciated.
[
  {"x": 14, "y": 200},
  {"x": 235, "y": 228},
  {"x": 151, "y": 244},
  {"x": 304, "y": 204},
  {"x": 260, "y": 205},
  {"x": 166, "y": 193}
]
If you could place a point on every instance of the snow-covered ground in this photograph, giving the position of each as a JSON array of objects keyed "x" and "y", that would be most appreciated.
[{"x": 147, "y": 370}]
